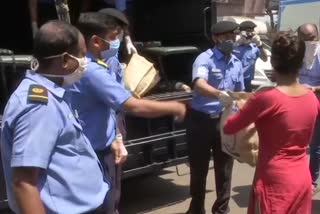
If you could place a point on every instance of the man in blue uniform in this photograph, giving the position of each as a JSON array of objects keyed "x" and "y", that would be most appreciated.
[
  {"x": 97, "y": 95},
  {"x": 115, "y": 70},
  {"x": 249, "y": 49},
  {"x": 124, "y": 23},
  {"x": 310, "y": 76},
  {"x": 214, "y": 71},
  {"x": 49, "y": 164}
]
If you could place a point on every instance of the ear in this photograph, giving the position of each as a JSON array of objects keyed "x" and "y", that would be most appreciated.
[
  {"x": 65, "y": 58},
  {"x": 95, "y": 41}
]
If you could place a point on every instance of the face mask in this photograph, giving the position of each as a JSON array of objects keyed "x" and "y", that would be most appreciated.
[
  {"x": 75, "y": 76},
  {"x": 312, "y": 48},
  {"x": 112, "y": 51},
  {"x": 226, "y": 47}
]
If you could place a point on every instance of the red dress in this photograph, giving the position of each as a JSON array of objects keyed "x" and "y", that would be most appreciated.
[{"x": 282, "y": 183}]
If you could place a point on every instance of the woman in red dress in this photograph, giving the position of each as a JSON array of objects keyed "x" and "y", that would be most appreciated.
[{"x": 284, "y": 117}]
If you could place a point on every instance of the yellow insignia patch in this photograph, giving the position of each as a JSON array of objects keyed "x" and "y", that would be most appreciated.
[
  {"x": 38, "y": 93},
  {"x": 102, "y": 63},
  {"x": 37, "y": 90}
]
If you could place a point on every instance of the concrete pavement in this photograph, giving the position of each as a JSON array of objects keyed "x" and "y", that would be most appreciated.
[{"x": 168, "y": 193}]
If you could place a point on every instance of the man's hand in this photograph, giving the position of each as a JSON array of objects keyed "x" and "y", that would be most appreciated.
[
  {"x": 225, "y": 99},
  {"x": 242, "y": 39},
  {"x": 119, "y": 151},
  {"x": 130, "y": 47},
  {"x": 257, "y": 40}
]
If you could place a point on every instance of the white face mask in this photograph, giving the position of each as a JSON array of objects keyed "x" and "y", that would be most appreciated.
[
  {"x": 312, "y": 48},
  {"x": 68, "y": 79}
]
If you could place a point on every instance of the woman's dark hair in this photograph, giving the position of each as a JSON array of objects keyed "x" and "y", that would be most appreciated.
[
  {"x": 95, "y": 23},
  {"x": 287, "y": 53},
  {"x": 56, "y": 37}
]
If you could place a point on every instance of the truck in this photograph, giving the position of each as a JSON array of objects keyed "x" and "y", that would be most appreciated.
[
  {"x": 171, "y": 34},
  {"x": 293, "y": 13}
]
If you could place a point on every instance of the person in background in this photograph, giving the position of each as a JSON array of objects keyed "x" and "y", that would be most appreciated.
[
  {"x": 214, "y": 71},
  {"x": 284, "y": 130},
  {"x": 49, "y": 164},
  {"x": 98, "y": 95},
  {"x": 124, "y": 23},
  {"x": 42, "y": 11},
  {"x": 309, "y": 75},
  {"x": 249, "y": 49},
  {"x": 116, "y": 8}
]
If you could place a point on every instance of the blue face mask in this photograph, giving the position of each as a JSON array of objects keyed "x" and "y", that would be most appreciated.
[{"x": 112, "y": 51}]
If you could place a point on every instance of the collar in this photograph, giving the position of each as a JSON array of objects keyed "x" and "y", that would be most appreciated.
[
  {"x": 216, "y": 53},
  {"x": 92, "y": 58},
  {"x": 48, "y": 84}
]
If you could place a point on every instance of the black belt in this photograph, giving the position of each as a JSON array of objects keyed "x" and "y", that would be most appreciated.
[{"x": 202, "y": 115}]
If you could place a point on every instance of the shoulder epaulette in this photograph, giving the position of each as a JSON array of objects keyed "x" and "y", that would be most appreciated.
[
  {"x": 38, "y": 93},
  {"x": 102, "y": 63}
]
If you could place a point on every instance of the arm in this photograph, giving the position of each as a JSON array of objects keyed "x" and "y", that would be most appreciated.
[
  {"x": 33, "y": 8},
  {"x": 263, "y": 54},
  {"x": 26, "y": 191},
  {"x": 151, "y": 109},
  {"x": 247, "y": 115},
  {"x": 32, "y": 148},
  {"x": 113, "y": 94}
]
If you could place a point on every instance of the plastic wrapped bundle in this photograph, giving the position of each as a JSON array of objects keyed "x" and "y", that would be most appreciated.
[
  {"x": 244, "y": 145},
  {"x": 140, "y": 76}
]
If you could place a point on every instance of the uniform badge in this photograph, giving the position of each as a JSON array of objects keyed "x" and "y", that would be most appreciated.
[
  {"x": 215, "y": 70},
  {"x": 38, "y": 93},
  {"x": 202, "y": 70}
]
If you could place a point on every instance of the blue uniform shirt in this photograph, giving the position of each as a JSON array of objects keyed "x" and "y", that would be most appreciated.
[
  {"x": 311, "y": 76},
  {"x": 48, "y": 136},
  {"x": 115, "y": 69},
  {"x": 95, "y": 97},
  {"x": 219, "y": 73},
  {"x": 248, "y": 55}
]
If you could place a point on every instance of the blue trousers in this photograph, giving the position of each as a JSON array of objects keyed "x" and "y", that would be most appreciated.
[
  {"x": 315, "y": 153},
  {"x": 113, "y": 174}
]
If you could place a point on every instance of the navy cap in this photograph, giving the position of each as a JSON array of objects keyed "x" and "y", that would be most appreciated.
[
  {"x": 116, "y": 14},
  {"x": 247, "y": 25},
  {"x": 224, "y": 27}
]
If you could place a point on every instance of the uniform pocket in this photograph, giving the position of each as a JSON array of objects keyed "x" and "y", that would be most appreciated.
[
  {"x": 235, "y": 78},
  {"x": 217, "y": 75}
]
